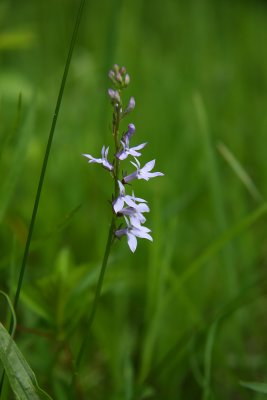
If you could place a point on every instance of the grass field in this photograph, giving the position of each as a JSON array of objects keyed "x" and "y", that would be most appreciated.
[{"x": 183, "y": 317}]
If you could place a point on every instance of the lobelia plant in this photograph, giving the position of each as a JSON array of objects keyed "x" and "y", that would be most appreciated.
[
  {"x": 135, "y": 207},
  {"x": 124, "y": 205}
]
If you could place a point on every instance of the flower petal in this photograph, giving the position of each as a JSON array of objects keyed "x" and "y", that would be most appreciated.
[
  {"x": 138, "y": 199},
  {"x": 132, "y": 241},
  {"x": 93, "y": 160},
  {"x": 139, "y": 147},
  {"x": 134, "y": 153},
  {"x": 154, "y": 174},
  {"x": 142, "y": 207},
  {"x": 122, "y": 188},
  {"x": 118, "y": 204},
  {"x": 141, "y": 234},
  {"x": 130, "y": 201},
  {"x": 148, "y": 166},
  {"x": 122, "y": 155}
]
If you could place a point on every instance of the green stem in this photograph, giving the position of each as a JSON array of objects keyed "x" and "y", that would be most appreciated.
[
  {"x": 47, "y": 152},
  {"x": 83, "y": 347},
  {"x": 116, "y": 126},
  {"x": 45, "y": 162},
  {"x": 96, "y": 298}
]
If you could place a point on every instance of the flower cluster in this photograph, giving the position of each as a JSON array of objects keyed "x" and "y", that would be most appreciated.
[{"x": 124, "y": 205}]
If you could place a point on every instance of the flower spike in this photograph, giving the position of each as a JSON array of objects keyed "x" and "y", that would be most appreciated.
[{"x": 130, "y": 207}]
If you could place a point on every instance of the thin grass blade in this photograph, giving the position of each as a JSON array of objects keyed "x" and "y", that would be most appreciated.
[
  {"x": 239, "y": 171},
  {"x": 256, "y": 386}
]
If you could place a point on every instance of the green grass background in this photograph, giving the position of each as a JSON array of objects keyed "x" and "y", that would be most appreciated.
[{"x": 185, "y": 316}]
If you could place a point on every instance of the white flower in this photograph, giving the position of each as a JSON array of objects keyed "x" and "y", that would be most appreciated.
[
  {"x": 129, "y": 150},
  {"x": 133, "y": 233},
  {"x": 104, "y": 161},
  {"x": 125, "y": 198},
  {"x": 142, "y": 173},
  {"x": 136, "y": 214}
]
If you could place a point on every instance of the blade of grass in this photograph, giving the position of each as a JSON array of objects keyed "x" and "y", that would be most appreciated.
[
  {"x": 218, "y": 244},
  {"x": 215, "y": 190},
  {"x": 256, "y": 386},
  {"x": 246, "y": 295},
  {"x": 11, "y": 132},
  {"x": 10, "y": 173},
  {"x": 240, "y": 171},
  {"x": 208, "y": 359},
  {"x": 155, "y": 291},
  {"x": 47, "y": 152},
  {"x": 46, "y": 157}
]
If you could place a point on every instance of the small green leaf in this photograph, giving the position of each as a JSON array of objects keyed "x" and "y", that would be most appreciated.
[
  {"x": 21, "y": 378},
  {"x": 256, "y": 386}
]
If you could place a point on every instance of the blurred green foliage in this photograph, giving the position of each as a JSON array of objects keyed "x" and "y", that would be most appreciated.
[{"x": 183, "y": 317}]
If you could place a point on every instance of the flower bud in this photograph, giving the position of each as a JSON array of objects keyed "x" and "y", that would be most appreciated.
[
  {"x": 111, "y": 74},
  {"x": 131, "y": 104},
  {"x": 131, "y": 130},
  {"x": 114, "y": 96},
  {"x": 116, "y": 67},
  {"x": 127, "y": 79},
  {"x": 130, "y": 107},
  {"x": 118, "y": 77}
]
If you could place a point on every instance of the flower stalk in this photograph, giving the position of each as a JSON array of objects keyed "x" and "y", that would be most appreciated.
[{"x": 135, "y": 206}]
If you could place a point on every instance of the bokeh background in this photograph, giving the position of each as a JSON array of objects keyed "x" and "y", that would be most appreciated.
[{"x": 185, "y": 316}]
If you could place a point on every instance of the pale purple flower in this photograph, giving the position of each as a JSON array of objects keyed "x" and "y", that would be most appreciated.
[
  {"x": 142, "y": 173},
  {"x": 125, "y": 198},
  {"x": 126, "y": 151},
  {"x": 132, "y": 233},
  {"x": 104, "y": 161},
  {"x": 136, "y": 214}
]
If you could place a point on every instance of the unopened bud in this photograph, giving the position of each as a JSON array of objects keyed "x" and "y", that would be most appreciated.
[
  {"x": 127, "y": 135},
  {"x": 127, "y": 79},
  {"x": 131, "y": 130},
  {"x": 130, "y": 107},
  {"x": 118, "y": 77},
  {"x": 114, "y": 95},
  {"x": 111, "y": 74},
  {"x": 116, "y": 67}
]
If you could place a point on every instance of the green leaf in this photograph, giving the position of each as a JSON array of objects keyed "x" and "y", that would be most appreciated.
[
  {"x": 256, "y": 386},
  {"x": 21, "y": 378}
]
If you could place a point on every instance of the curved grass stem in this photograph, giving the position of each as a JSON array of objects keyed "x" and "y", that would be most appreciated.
[{"x": 44, "y": 165}]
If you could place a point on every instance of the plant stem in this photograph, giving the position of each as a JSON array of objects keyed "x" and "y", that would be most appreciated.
[
  {"x": 82, "y": 351},
  {"x": 47, "y": 152},
  {"x": 44, "y": 165},
  {"x": 96, "y": 298}
]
